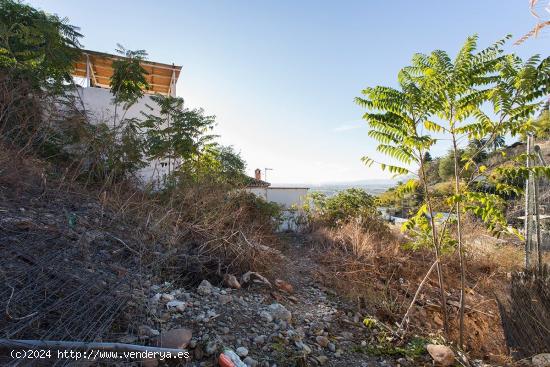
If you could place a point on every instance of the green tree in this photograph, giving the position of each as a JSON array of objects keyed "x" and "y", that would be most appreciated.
[
  {"x": 177, "y": 134},
  {"x": 453, "y": 91},
  {"x": 458, "y": 87},
  {"x": 36, "y": 47},
  {"x": 232, "y": 165},
  {"x": 128, "y": 81},
  {"x": 37, "y": 52},
  {"x": 395, "y": 118}
]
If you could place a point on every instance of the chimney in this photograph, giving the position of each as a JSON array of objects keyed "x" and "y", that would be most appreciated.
[{"x": 258, "y": 174}]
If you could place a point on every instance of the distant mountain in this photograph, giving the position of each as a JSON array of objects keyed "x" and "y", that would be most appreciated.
[{"x": 372, "y": 186}]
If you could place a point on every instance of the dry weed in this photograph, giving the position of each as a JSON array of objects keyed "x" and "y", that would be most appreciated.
[{"x": 377, "y": 271}]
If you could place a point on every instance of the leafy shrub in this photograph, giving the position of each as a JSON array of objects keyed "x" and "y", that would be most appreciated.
[{"x": 345, "y": 206}]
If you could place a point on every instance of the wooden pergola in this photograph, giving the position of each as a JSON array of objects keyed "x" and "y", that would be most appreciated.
[{"x": 96, "y": 68}]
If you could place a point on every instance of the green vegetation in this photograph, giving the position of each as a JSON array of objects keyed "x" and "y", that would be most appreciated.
[
  {"x": 128, "y": 80},
  {"x": 443, "y": 98},
  {"x": 196, "y": 213},
  {"x": 343, "y": 207},
  {"x": 36, "y": 48},
  {"x": 415, "y": 348}
]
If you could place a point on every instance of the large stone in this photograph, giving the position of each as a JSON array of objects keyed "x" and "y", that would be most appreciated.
[
  {"x": 541, "y": 360},
  {"x": 279, "y": 312},
  {"x": 441, "y": 354},
  {"x": 231, "y": 281},
  {"x": 175, "y": 338},
  {"x": 205, "y": 288}
]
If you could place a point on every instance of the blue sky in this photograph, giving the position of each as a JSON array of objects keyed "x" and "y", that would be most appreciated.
[{"x": 281, "y": 76}]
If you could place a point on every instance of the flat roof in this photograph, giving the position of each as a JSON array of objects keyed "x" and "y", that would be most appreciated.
[{"x": 159, "y": 75}]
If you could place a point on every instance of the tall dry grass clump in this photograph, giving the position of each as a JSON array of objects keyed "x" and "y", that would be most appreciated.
[
  {"x": 205, "y": 230},
  {"x": 381, "y": 273}
]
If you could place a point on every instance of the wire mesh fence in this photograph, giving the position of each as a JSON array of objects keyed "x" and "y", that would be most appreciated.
[{"x": 525, "y": 308}]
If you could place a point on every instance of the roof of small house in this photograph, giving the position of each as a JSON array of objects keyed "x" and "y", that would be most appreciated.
[
  {"x": 159, "y": 76},
  {"x": 253, "y": 182}
]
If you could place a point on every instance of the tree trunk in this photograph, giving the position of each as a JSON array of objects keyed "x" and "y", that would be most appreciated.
[
  {"x": 459, "y": 241},
  {"x": 436, "y": 249}
]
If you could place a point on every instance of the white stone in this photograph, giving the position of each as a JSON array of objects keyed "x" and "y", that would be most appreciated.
[
  {"x": 242, "y": 352},
  {"x": 176, "y": 305},
  {"x": 279, "y": 312}
]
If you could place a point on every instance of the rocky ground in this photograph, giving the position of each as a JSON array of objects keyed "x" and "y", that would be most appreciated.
[
  {"x": 73, "y": 272},
  {"x": 292, "y": 320}
]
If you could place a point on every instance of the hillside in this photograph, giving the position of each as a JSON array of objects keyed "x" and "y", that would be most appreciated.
[{"x": 82, "y": 264}]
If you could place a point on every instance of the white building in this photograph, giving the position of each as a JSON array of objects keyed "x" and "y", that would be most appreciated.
[
  {"x": 94, "y": 70},
  {"x": 288, "y": 197}
]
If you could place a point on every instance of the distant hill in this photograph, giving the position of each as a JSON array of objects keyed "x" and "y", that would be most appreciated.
[{"x": 373, "y": 187}]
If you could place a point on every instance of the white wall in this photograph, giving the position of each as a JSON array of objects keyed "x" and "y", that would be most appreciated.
[
  {"x": 288, "y": 197},
  {"x": 99, "y": 107},
  {"x": 98, "y": 103},
  {"x": 285, "y": 196}
]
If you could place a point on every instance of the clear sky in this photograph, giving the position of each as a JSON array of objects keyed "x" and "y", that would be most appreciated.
[{"x": 281, "y": 76}]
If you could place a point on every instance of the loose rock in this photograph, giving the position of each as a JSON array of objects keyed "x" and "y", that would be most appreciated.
[
  {"x": 322, "y": 341},
  {"x": 441, "y": 354},
  {"x": 266, "y": 316},
  {"x": 145, "y": 330},
  {"x": 322, "y": 359},
  {"x": 242, "y": 352},
  {"x": 176, "y": 305},
  {"x": 279, "y": 312},
  {"x": 205, "y": 288},
  {"x": 231, "y": 281},
  {"x": 166, "y": 297},
  {"x": 175, "y": 338}
]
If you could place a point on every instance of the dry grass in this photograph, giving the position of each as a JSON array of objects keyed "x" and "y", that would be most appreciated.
[
  {"x": 186, "y": 234},
  {"x": 206, "y": 231},
  {"x": 374, "y": 269}
]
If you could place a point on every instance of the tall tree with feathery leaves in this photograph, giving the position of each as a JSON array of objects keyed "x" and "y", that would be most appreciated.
[
  {"x": 457, "y": 88},
  {"x": 395, "y": 117}
]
